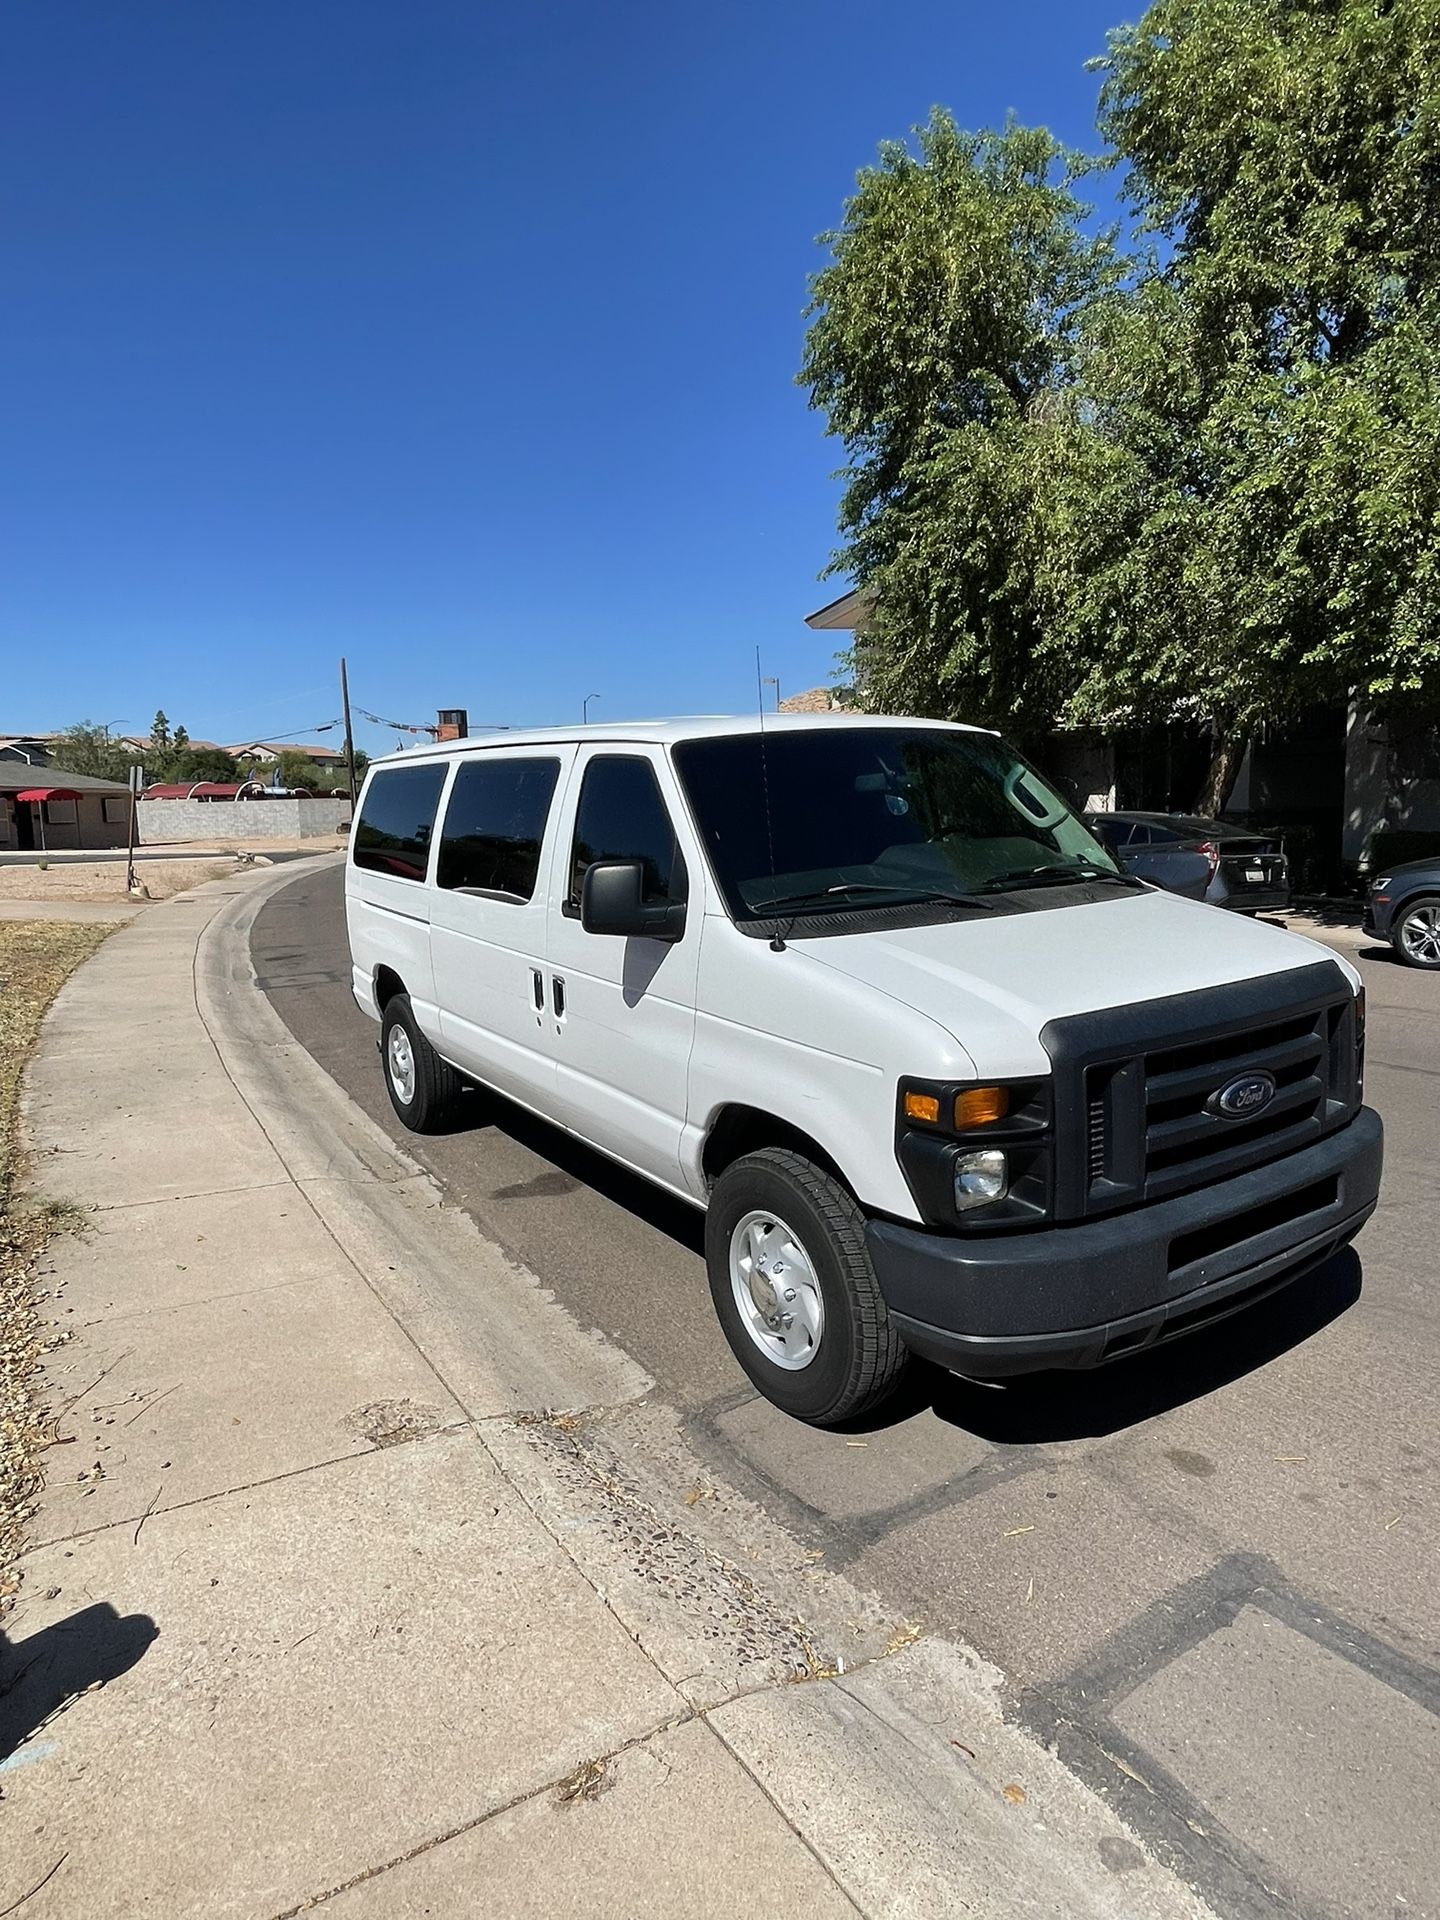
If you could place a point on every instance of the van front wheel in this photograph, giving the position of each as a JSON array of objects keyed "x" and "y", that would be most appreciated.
[
  {"x": 423, "y": 1088},
  {"x": 795, "y": 1291}
]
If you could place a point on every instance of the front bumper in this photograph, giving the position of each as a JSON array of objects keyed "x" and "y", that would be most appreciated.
[{"x": 1077, "y": 1296}]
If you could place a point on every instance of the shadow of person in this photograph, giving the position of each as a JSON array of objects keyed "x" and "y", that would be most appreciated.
[{"x": 41, "y": 1673}]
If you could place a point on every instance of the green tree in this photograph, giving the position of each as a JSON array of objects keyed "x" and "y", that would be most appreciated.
[
  {"x": 88, "y": 748},
  {"x": 201, "y": 763},
  {"x": 296, "y": 770},
  {"x": 160, "y": 731},
  {"x": 1203, "y": 481},
  {"x": 941, "y": 343},
  {"x": 1283, "y": 154}
]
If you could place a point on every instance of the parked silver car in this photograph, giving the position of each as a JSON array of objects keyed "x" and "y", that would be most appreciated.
[{"x": 1202, "y": 859}]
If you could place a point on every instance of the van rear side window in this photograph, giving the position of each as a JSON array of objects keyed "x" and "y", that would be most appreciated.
[
  {"x": 494, "y": 825},
  {"x": 397, "y": 818}
]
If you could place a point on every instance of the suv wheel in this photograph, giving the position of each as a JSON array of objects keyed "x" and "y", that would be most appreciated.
[
  {"x": 795, "y": 1291},
  {"x": 1416, "y": 933},
  {"x": 423, "y": 1088}
]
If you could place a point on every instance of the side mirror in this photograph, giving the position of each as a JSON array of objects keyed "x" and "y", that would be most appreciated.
[{"x": 611, "y": 902}]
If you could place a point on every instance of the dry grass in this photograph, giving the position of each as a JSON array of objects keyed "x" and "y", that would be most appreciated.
[
  {"x": 35, "y": 959},
  {"x": 105, "y": 879}
]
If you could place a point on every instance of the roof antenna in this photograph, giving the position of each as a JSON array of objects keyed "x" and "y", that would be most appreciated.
[{"x": 777, "y": 941}]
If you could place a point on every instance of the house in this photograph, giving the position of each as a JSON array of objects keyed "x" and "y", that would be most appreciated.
[
  {"x": 30, "y": 749},
  {"x": 45, "y": 810},
  {"x": 266, "y": 752}
]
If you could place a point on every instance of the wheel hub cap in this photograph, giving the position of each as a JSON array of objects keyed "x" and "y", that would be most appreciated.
[
  {"x": 400, "y": 1059},
  {"x": 776, "y": 1290}
]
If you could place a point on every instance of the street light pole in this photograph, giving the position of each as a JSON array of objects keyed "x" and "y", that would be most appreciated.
[
  {"x": 772, "y": 681},
  {"x": 585, "y": 708}
]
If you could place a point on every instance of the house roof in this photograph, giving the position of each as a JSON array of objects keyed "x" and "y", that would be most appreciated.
[
  {"x": 16, "y": 777},
  {"x": 277, "y": 747},
  {"x": 846, "y": 613}
]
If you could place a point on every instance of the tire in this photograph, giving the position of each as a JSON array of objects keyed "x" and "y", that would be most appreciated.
[
  {"x": 844, "y": 1356},
  {"x": 1415, "y": 933},
  {"x": 425, "y": 1098}
]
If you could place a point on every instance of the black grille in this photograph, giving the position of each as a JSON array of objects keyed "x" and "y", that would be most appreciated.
[
  {"x": 1184, "y": 1138},
  {"x": 1132, "y": 1085}
]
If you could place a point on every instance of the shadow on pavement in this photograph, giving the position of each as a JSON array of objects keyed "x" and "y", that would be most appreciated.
[
  {"x": 572, "y": 1164},
  {"x": 53, "y": 1666},
  {"x": 1087, "y": 1404}
]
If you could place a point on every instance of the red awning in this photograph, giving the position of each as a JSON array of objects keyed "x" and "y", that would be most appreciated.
[{"x": 37, "y": 794}]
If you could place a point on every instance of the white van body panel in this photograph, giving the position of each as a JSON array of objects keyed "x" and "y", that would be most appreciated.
[
  {"x": 622, "y": 1043},
  {"x": 821, "y": 1049},
  {"x": 488, "y": 956},
  {"x": 994, "y": 983}
]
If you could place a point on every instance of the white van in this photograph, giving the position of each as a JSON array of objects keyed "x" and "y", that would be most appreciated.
[{"x": 944, "y": 1080}]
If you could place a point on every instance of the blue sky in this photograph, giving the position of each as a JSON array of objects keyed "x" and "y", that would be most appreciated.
[{"x": 454, "y": 337}]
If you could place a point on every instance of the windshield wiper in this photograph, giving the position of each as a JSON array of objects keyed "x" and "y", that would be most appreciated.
[
  {"x": 827, "y": 896},
  {"x": 1061, "y": 873}
]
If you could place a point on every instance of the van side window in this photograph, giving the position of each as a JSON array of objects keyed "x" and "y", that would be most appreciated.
[
  {"x": 494, "y": 824},
  {"x": 397, "y": 818},
  {"x": 622, "y": 816}
]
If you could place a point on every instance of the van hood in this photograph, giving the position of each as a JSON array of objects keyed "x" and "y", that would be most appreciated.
[{"x": 992, "y": 984}]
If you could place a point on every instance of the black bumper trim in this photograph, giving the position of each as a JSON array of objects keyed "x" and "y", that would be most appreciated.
[{"x": 1078, "y": 1295}]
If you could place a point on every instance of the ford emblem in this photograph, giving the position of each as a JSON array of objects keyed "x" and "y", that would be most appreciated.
[{"x": 1243, "y": 1097}]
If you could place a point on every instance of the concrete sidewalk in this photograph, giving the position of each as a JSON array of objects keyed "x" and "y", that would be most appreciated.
[{"x": 366, "y": 1578}]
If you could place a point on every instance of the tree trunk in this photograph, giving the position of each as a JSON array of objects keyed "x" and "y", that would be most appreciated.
[{"x": 1225, "y": 759}]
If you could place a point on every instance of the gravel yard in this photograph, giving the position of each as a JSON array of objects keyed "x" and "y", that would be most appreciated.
[{"x": 105, "y": 879}]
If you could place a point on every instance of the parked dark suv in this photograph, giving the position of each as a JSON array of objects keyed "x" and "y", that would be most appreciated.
[
  {"x": 1203, "y": 859},
  {"x": 1404, "y": 908}
]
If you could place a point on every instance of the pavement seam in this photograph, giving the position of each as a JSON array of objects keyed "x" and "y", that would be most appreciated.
[
  {"x": 638, "y": 1740},
  {"x": 463, "y": 1425},
  {"x": 211, "y": 1193}
]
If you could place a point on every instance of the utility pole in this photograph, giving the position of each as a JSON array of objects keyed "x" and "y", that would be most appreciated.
[
  {"x": 349, "y": 739},
  {"x": 137, "y": 776}
]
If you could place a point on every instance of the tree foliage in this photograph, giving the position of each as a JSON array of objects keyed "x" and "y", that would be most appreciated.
[
  {"x": 86, "y": 747},
  {"x": 940, "y": 347},
  {"x": 1202, "y": 478}
]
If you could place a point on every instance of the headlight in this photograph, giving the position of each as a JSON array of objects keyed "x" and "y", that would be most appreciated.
[
  {"x": 981, "y": 1178},
  {"x": 1377, "y": 885},
  {"x": 977, "y": 1158}
]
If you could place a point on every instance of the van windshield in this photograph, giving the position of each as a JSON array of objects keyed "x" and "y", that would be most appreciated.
[{"x": 860, "y": 817}]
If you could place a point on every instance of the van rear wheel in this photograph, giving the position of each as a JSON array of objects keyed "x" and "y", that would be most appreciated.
[
  {"x": 795, "y": 1291},
  {"x": 423, "y": 1088}
]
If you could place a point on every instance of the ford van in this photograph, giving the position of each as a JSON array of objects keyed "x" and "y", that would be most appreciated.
[{"x": 943, "y": 1078}]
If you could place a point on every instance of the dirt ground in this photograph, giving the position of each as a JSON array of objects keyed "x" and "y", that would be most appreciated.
[
  {"x": 35, "y": 958},
  {"x": 275, "y": 843},
  {"x": 105, "y": 879}
]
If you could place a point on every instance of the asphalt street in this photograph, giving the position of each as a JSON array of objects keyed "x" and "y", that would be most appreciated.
[{"x": 1210, "y": 1574}]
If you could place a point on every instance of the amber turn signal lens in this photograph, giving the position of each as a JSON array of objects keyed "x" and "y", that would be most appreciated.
[
  {"x": 922, "y": 1106},
  {"x": 981, "y": 1106}
]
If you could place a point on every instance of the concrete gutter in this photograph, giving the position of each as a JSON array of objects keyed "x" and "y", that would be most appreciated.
[{"x": 401, "y": 1584}]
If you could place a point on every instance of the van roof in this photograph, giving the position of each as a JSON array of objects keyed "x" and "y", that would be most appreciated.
[{"x": 706, "y": 726}]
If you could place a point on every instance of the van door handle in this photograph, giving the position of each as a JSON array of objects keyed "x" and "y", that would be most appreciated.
[
  {"x": 537, "y": 982},
  {"x": 557, "y": 994}
]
